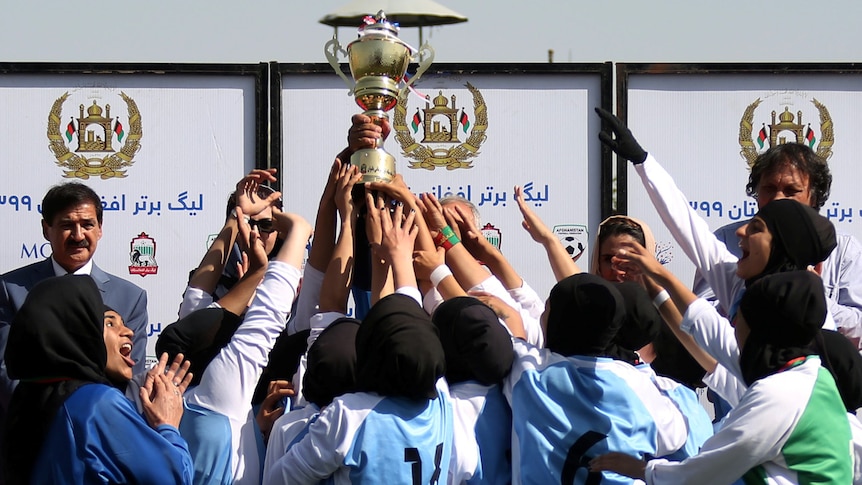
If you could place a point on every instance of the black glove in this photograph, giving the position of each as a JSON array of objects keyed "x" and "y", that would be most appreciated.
[{"x": 620, "y": 140}]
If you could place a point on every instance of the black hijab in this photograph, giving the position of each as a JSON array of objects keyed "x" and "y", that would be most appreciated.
[
  {"x": 476, "y": 345},
  {"x": 642, "y": 321},
  {"x": 800, "y": 236},
  {"x": 398, "y": 352},
  {"x": 585, "y": 314},
  {"x": 56, "y": 345},
  {"x": 784, "y": 312},
  {"x": 331, "y": 363},
  {"x": 199, "y": 336},
  {"x": 644, "y": 325},
  {"x": 842, "y": 359}
]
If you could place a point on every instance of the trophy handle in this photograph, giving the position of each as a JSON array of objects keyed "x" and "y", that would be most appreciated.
[
  {"x": 424, "y": 64},
  {"x": 332, "y": 57}
]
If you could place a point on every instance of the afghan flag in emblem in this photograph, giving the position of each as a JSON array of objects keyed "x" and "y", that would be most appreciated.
[
  {"x": 118, "y": 129},
  {"x": 465, "y": 121},
  {"x": 417, "y": 120},
  {"x": 809, "y": 137},
  {"x": 762, "y": 136},
  {"x": 70, "y": 130}
]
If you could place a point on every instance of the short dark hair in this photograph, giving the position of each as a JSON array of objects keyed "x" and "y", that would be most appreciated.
[
  {"x": 804, "y": 159},
  {"x": 622, "y": 225},
  {"x": 64, "y": 196}
]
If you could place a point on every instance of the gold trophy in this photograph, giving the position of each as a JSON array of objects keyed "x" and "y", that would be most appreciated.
[{"x": 378, "y": 63}]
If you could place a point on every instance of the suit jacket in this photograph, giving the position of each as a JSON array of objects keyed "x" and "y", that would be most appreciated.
[{"x": 128, "y": 299}]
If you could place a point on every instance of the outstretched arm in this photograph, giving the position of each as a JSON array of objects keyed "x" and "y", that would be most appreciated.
[
  {"x": 431, "y": 271},
  {"x": 396, "y": 245},
  {"x": 339, "y": 272},
  {"x": 237, "y": 299},
  {"x": 381, "y": 270},
  {"x": 468, "y": 272},
  {"x": 206, "y": 277},
  {"x": 635, "y": 259},
  {"x": 480, "y": 248},
  {"x": 690, "y": 231},
  {"x": 561, "y": 262}
]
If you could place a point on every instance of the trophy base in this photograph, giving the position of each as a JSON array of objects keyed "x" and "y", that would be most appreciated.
[{"x": 375, "y": 165}]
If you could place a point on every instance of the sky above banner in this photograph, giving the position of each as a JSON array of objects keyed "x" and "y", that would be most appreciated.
[{"x": 218, "y": 31}]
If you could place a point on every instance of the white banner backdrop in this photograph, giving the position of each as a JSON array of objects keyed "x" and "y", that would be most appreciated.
[
  {"x": 540, "y": 132},
  {"x": 178, "y": 142},
  {"x": 693, "y": 123}
]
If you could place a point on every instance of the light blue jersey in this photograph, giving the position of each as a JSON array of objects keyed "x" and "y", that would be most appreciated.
[
  {"x": 698, "y": 422},
  {"x": 209, "y": 437},
  {"x": 566, "y": 411},
  {"x": 362, "y": 437}
]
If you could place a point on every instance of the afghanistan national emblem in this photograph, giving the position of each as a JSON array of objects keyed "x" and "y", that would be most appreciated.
[
  {"x": 143, "y": 255},
  {"x": 787, "y": 124},
  {"x": 85, "y": 147},
  {"x": 440, "y": 123}
]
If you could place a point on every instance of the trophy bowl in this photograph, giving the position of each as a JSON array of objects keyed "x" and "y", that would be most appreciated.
[{"x": 378, "y": 62}]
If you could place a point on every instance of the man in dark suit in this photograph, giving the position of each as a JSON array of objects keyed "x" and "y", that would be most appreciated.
[{"x": 72, "y": 223}]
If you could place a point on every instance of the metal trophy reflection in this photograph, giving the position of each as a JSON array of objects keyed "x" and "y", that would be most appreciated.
[{"x": 378, "y": 62}]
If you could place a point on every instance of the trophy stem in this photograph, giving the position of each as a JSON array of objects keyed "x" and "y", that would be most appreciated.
[{"x": 376, "y": 113}]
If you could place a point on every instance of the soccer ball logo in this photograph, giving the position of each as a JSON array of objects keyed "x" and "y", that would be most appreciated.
[
  {"x": 574, "y": 239},
  {"x": 574, "y": 247}
]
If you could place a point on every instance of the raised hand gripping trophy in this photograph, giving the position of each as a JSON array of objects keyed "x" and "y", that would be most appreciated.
[{"x": 378, "y": 62}]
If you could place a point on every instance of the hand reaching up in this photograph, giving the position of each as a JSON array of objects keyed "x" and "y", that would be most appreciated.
[
  {"x": 247, "y": 188},
  {"x": 534, "y": 226},
  {"x": 620, "y": 138}
]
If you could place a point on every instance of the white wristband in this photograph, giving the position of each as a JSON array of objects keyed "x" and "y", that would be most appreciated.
[
  {"x": 439, "y": 273},
  {"x": 659, "y": 299}
]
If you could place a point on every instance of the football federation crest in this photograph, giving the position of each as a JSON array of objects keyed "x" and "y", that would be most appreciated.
[
  {"x": 785, "y": 126},
  {"x": 441, "y": 124},
  {"x": 143, "y": 255},
  {"x": 94, "y": 143},
  {"x": 574, "y": 238},
  {"x": 492, "y": 234}
]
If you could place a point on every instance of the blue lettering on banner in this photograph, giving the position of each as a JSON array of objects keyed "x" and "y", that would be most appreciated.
[
  {"x": 145, "y": 205},
  {"x": 490, "y": 195},
  {"x": 17, "y": 202},
  {"x": 716, "y": 209},
  {"x": 154, "y": 329},
  {"x": 36, "y": 251},
  {"x": 836, "y": 213},
  {"x": 745, "y": 210}
]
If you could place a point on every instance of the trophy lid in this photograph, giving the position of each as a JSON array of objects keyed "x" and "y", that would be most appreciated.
[{"x": 379, "y": 27}]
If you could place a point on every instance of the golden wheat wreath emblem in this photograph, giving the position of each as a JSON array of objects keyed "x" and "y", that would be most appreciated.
[
  {"x": 453, "y": 158},
  {"x": 746, "y": 129},
  {"x": 79, "y": 166}
]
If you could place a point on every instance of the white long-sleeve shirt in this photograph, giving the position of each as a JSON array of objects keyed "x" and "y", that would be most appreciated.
[
  {"x": 229, "y": 381},
  {"x": 710, "y": 256},
  {"x": 788, "y": 428}
]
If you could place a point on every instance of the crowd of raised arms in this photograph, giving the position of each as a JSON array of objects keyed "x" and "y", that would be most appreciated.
[{"x": 455, "y": 370}]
